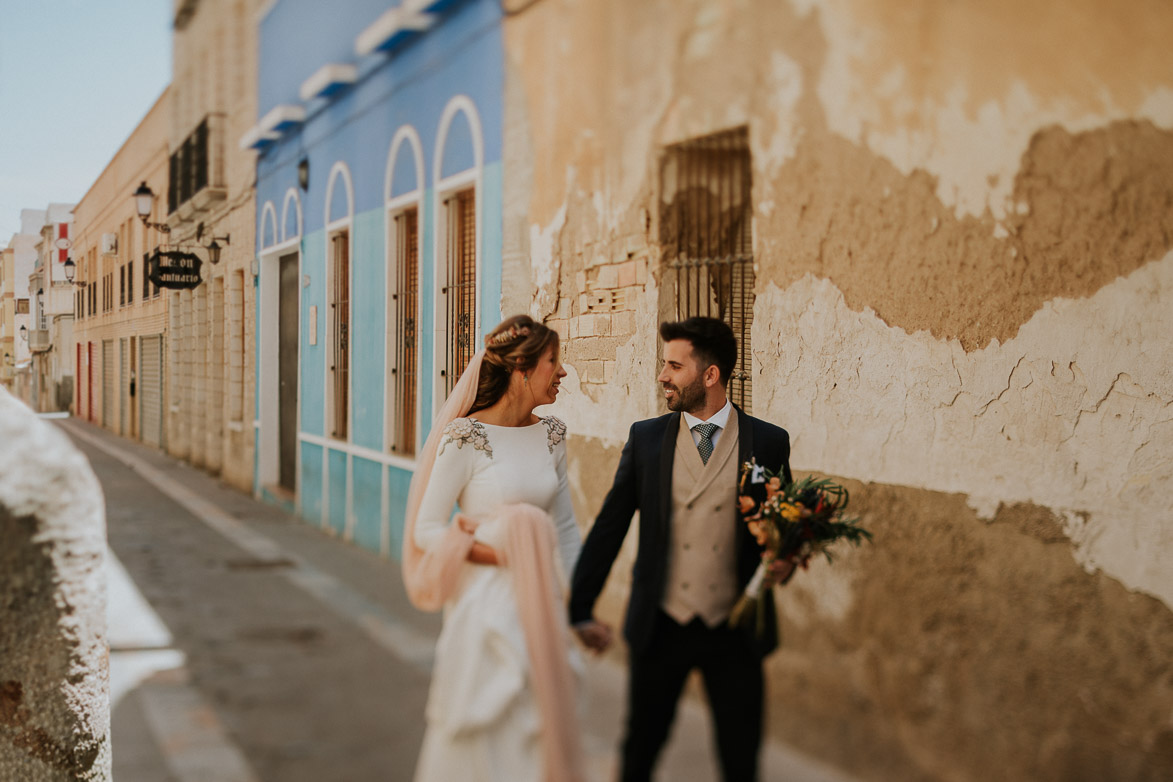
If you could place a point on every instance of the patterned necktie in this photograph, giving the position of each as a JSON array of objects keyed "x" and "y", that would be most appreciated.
[{"x": 705, "y": 444}]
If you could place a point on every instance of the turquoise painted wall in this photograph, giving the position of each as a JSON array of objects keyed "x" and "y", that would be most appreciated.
[{"x": 412, "y": 88}]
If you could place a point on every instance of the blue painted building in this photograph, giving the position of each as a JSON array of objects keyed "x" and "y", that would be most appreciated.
[{"x": 379, "y": 243}]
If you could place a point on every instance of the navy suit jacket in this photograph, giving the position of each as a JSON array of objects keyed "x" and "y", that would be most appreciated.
[{"x": 643, "y": 482}]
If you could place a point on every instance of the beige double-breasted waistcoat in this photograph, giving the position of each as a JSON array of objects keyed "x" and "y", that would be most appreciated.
[{"x": 702, "y": 561}]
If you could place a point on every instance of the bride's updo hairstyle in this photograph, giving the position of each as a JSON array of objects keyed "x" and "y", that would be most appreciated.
[{"x": 518, "y": 342}]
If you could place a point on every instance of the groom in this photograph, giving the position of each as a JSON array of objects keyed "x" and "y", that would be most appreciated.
[{"x": 695, "y": 556}]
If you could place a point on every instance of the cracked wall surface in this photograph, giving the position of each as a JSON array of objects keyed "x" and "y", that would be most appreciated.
[{"x": 963, "y": 247}]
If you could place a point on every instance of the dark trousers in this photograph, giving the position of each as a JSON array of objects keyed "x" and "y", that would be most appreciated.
[{"x": 732, "y": 674}]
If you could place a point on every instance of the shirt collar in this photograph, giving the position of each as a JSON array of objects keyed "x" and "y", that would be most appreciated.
[{"x": 720, "y": 418}]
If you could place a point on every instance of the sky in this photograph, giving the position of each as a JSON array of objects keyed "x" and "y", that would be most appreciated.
[{"x": 76, "y": 77}]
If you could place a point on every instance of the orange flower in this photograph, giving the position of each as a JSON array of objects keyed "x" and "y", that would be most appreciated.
[
  {"x": 790, "y": 512},
  {"x": 758, "y": 530}
]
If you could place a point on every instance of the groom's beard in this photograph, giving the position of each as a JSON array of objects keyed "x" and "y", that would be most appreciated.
[{"x": 688, "y": 399}]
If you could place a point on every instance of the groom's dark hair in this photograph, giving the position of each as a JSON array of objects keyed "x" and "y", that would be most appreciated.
[{"x": 712, "y": 341}]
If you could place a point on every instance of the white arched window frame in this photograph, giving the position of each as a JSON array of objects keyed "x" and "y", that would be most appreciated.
[
  {"x": 397, "y": 208},
  {"x": 268, "y": 225},
  {"x": 291, "y": 199},
  {"x": 279, "y": 244},
  {"x": 340, "y": 173},
  {"x": 445, "y": 187}
]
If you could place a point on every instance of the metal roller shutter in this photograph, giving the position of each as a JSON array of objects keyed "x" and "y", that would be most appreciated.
[
  {"x": 107, "y": 382},
  {"x": 124, "y": 386},
  {"x": 150, "y": 389}
]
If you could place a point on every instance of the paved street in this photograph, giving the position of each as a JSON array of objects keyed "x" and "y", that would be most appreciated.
[{"x": 247, "y": 645}]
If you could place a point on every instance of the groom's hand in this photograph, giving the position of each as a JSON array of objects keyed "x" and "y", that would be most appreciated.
[
  {"x": 779, "y": 572},
  {"x": 595, "y": 635}
]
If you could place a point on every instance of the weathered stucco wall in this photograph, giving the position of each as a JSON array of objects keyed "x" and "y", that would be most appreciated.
[
  {"x": 54, "y": 678},
  {"x": 963, "y": 243}
]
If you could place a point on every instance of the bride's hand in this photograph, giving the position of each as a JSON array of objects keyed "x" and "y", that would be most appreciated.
[
  {"x": 466, "y": 523},
  {"x": 595, "y": 635}
]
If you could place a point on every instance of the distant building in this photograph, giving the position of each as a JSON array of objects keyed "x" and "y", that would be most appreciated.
[
  {"x": 209, "y": 200},
  {"x": 8, "y": 335},
  {"x": 120, "y": 324},
  {"x": 50, "y": 335},
  {"x": 379, "y": 238},
  {"x": 22, "y": 252}
]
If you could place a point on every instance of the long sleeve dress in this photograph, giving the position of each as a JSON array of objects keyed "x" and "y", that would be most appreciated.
[{"x": 483, "y": 721}]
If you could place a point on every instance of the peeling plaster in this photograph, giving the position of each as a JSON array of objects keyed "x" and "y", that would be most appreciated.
[
  {"x": 1075, "y": 413},
  {"x": 968, "y": 119},
  {"x": 544, "y": 268},
  {"x": 631, "y": 396},
  {"x": 784, "y": 93}
]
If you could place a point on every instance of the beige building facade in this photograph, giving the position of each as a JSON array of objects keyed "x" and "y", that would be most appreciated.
[
  {"x": 50, "y": 335},
  {"x": 943, "y": 233},
  {"x": 120, "y": 317},
  {"x": 8, "y": 334},
  {"x": 211, "y": 355},
  {"x": 20, "y": 260}
]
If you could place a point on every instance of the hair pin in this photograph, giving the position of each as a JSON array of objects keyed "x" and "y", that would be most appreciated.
[{"x": 508, "y": 335}]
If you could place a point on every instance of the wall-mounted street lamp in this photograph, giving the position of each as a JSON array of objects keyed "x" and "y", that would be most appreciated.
[
  {"x": 144, "y": 203},
  {"x": 213, "y": 247},
  {"x": 71, "y": 272},
  {"x": 303, "y": 174},
  {"x": 24, "y": 333}
]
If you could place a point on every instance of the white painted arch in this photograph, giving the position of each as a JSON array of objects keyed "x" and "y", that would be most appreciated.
[
  {"x": 268, "y": 225},
  {"x": 458, "y": 104},
  {"x": 393, "y": 207},
  {"x": 291, "y": 197},
  {"x": 339, "y": 171},
  {"x": 405, "y": 135}
]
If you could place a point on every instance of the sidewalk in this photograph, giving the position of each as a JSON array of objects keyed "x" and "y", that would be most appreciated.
[{"x": 294, "y": 653}]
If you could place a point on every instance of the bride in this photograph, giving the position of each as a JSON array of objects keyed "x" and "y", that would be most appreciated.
[{"x": 501, "y": 705}]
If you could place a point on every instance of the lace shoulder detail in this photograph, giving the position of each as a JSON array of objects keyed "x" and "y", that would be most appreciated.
[
  {"x": 468, "y": 431},
  {"x": 555, "y": 431}
]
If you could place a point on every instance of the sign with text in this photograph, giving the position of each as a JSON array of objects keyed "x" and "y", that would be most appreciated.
[{"x": 174, "y": 269}]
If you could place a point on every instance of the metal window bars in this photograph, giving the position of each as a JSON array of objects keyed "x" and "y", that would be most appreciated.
[
  {"x": 340, "y": 304},
  {"x": 406, "y": 301},
  {"x": 707, "y": 236},
  {"x": 460, "y": 286}
]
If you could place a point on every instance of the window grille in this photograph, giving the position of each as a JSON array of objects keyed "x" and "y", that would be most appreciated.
[
  {"x": 406, "y": 298},
  {"x": 340, "y": 250},
  {"x": 129, "y": 262},
  {"x": 121, "y": 286},
  {"x": 460, "y": 286},
  {"x": 707, "y": 236},
  {"x": 195, "y": 163}
]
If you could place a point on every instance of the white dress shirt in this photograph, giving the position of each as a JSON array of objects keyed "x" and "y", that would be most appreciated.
[{"x": 720, "y": 418}]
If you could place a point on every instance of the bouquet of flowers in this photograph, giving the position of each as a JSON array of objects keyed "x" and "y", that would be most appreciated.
[{"x": 791, "y": 522}]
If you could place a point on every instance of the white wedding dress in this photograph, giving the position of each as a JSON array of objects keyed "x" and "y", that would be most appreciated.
[{"x": 483, "y": 721}]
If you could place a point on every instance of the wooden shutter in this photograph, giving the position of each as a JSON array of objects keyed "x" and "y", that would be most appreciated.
[
  {"x": 461, "y": 288},
  {"x": 340, "y": 249},
  {"x": 406, "y": 300}
]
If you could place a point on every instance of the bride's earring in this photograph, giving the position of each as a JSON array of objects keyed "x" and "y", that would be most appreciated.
[{"x": 526, "y": 378}]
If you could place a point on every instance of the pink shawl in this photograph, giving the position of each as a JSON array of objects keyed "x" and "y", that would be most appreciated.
[{"x": 431, "y": 577}]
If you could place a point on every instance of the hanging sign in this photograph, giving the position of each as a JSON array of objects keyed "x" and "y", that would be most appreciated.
[{"x": 174, "y": 269}]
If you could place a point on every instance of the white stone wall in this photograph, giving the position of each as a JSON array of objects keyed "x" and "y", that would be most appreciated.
[{"x": 54, "y": 703}]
